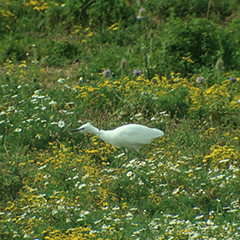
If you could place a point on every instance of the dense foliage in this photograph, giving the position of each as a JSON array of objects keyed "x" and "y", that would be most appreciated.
[{"x": 173, "y": 65}]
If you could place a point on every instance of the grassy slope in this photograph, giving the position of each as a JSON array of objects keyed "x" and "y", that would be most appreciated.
[{"x": 56, "y": 185}]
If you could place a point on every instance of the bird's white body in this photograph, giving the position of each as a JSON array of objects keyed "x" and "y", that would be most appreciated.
[{"x": 130, "y": 136}]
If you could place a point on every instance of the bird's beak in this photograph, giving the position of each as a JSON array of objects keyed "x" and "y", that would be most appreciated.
[{"x": 76, "y": 130}]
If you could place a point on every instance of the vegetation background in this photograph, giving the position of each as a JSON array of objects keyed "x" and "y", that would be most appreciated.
[{"x": 170, "y": 64}]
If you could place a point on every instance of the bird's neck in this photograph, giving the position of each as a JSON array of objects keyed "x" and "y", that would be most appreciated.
[
  {"x": 105, "y": 135},
  {"x": 95, "y": 131}
]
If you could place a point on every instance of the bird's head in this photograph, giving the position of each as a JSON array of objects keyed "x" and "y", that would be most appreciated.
[{"x": 85, "y": 128}]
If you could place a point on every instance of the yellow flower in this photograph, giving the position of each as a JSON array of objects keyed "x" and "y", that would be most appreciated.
[
  {"x": 113, "y": 27},
  {"x": 90, "y": 34}
]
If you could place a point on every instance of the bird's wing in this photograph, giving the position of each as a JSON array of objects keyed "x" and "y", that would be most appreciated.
[{"x": 134, "y": 134}]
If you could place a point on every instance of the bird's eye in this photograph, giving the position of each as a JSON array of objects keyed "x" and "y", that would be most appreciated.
[{"x": 82, "y": 129}]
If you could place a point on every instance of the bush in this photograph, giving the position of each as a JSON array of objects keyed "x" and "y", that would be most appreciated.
[
  {"x": 195, "y": 43},
  {"x": 184, "y": 9}
]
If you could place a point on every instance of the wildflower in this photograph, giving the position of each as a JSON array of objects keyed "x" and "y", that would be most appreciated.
[
  {"x": 141, "y": 14},
  {"x": 105, "y": 207},
  {"x": 200, "y": 80},
  {"x": 153, "y": 119},
  {"x": 41, "y": 97},
  {"x": 123, "y": 64},
  {"x": 15, "y": 96},
  {"x": 42, "y": 167},
  {"x": 97, "y": 221},
  {"x": 82, "y": 185},
  {"x": 120, "y": 155},
  {"x": 224, "y": 160},
  {"x": 140, "y": 182},
  {"x": 129, "y": 215},
  {"x": 11, "y": 108},
  {"x": 133, "y": 209},
  {"x": 41, "y": 195},
  {"x": 27, "y": 236},
  {"x": 135, "y": 233},
  {"x": 137, "y": 72},
  {"x": 232, "y": 79},
  {"x": 75, "y": 177},
  {"x": 219, "y": 64},
  {"x": 52, "y": 103},
  {"x": 3, "y": 121},
  {"x": 198, "y": 217},
  {"x": 105, "y": 227},
  {"x": 196, "y": 208},
  {"x": 209, "y": 222},
  {"x": 18, "y": 130},
  {"x": 114, "y": 27},
  {"x": 175, "y": 191},
  {"x": 129, "y": 174},
  {"x": 138, "y": 115},
  {"x": 67, "y": 86},
  {"x": 61, "y": 124},
  {"x": 115, "y": 208},
  {"x": 90, "y": 34},
  {"x": 37, "y": 91},
  {"x": 195, "y": 235},
  {"x": 162, "y": 113},
  {"x": 83, "y": 213},
  {"x": 38, "y": 136},
  {"x": 117, "y": 220},
  {"x": 61, "y": 80},
  {"x": 107, "y": 73}
]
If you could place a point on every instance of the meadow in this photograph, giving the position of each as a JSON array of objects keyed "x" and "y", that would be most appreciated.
[{"x": 165, "y": 65}]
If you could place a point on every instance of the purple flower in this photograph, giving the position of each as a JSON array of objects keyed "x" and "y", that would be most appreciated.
[
  {"x": 233, "y": 79},
  {"x": 137, "y": 72},
  {"x": 107, "y": 73},
  {"x": 200, "y": 80}
]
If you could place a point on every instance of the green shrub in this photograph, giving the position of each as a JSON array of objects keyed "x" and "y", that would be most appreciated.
[
  {"x": 200, "y": 41},
  {"x": 215, "y": 10}
]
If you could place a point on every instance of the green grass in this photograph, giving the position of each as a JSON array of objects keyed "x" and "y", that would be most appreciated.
[{"x": 58, "y": 185}]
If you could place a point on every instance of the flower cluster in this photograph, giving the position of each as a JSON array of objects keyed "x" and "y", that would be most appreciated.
[
  {"x": 74, "y": 190},
  {"x": 65, "y": 187}
]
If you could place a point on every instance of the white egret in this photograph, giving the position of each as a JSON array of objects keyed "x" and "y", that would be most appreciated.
[{"x": 130, "y": 136}]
